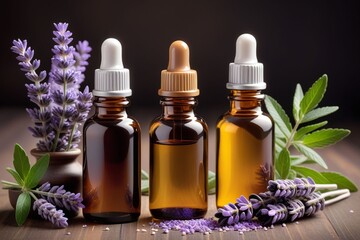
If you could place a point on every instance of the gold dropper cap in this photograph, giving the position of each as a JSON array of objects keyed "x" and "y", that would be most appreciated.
[{"x": 178, "y": 80}]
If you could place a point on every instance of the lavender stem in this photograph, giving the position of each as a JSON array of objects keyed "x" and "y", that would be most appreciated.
[
  {"x": 326, "y": 186},
  {"x": 341, "y": 194}
]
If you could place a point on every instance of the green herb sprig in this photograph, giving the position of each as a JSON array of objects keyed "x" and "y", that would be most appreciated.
[
  {"x": 27, "y": 177},
  {"x": 305, "y": 137}
]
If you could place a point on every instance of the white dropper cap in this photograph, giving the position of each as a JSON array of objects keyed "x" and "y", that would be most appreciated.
[
  {"x": 246, "y": 73},
  {"x": 112, "y": 79}
]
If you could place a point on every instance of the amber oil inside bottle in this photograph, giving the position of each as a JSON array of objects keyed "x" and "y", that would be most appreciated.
[
  {"x": 111, "y": 173},
  {"x": 244, "y": 148},
  {"x": 178, "y": 162}
]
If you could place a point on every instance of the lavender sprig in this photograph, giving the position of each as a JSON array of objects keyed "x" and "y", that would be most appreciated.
[
  {"x": 272, "y": 214},
  {"x": 233, "y": 213},
  {"x": 58, "y": 196},
  {"x": 260, "y": 200},
  {"x": 61, "y": 107},
  {"x": 48, "y": 211},
  {"x": 38, "y": 92}
]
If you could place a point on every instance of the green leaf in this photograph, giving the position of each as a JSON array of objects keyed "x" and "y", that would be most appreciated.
[
  {"x": 340, "y": 180},
  {"x": 22, "y": 208},
  {"x": 292, "y": 174},
  {"x": 310, "y": 154},
  {"x": 278, "y": 114},
  {"x": 324, "y": 137},
  {"x": 21, "y": 161},
  {"x": 313, "y": 96},
  {"x": 282, "y": 164},
  {"x": 145, "y": 187},
  {"x": 211, "y": 182},
  {"x": 297, "y": 160},
  {"x": 144, "y": 175},
  {"x": 16, "y": 175},
  {"x": 37, "y": 171},
  {"x": 296, "y": 102},
  {"x": 318, "y": 113},
  {"x": 305, "y": 130},
  {"x": 308, "y": 172}
]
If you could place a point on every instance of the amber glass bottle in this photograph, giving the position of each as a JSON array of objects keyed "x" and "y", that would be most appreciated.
[
  {"x": 178, "y": 144},
  {"x": 245, "y": 134},
  {"x": 111, "y": 164}
]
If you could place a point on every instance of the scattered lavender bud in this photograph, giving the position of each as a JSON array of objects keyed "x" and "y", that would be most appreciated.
[
  {"x": 265, "y": 228},
  {"x": 283, "y": 225},
  {"x": 143, "y": 230},
  {"x": 84, "y": 226},
  {"x": 68, "y": 233},
  {"x": 241, "y": 233},
  {"x": 183, "y": 233},
  {"x": 351, "y": 211},
  {"x": 152, "y": 233},
  {"x": 166, "y": 231},
  {"x": 107, "y": 229},
  {"x": 138, "y": 230},
  {"x": 296, "y": 222},
  {"x": 233, "y": 213}
]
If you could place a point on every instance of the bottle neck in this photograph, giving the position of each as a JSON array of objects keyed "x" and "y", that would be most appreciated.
[
  {"x": 111, "y": 107},
  {"x": 178, "y": 107},
  {"x": 245, "y": 101}
]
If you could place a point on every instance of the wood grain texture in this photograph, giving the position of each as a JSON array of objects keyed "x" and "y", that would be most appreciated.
[{"x": 335, "y": 222}]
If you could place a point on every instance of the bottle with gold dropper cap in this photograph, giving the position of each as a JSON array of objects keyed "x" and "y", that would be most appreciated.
[
  {"x": 178, "y": 144},
  {"x": 244, "y": 158}
]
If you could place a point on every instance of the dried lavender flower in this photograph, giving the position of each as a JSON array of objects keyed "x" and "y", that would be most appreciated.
[
  {"x": 58, "y": 196},
  {"x": 260, "y": 200},
  {"x": 313, "y": 203},
  {"x": 48, "y": 211},
  {"x": 291, "y": 188},
  {"x": 233, "y": 213},
  {"x": 296, "y": 209},
  {"x": 61, "y": 106},
  {"x": 272, "y": 214}
]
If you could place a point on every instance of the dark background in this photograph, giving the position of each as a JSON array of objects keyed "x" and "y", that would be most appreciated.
[{"x": 298, "y": 41}]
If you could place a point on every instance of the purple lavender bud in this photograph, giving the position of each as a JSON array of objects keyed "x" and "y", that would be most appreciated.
[
  {"x": 313, "y": 203},
  {"x": 296, "y": 209},
  {"x": 233, "y": 213},
  {"x": 272, "y": 214},
  {"x": 48, "y": 211},
  {"x": 60, "y": 197},
  {"x": 260, "y": 200}
]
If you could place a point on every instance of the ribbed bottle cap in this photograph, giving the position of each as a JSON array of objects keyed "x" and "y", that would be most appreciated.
[
  {"x": 246, "y": 73},
  {"x": 178, "y": 80},
  {"x": 112, "y": 79}
]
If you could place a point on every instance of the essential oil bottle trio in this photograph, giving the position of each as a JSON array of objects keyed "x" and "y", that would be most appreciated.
[{"x": 178, "y": 140}]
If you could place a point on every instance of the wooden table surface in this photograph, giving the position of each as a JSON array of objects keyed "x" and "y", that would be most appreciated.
[{"x": 338, "y": 221}]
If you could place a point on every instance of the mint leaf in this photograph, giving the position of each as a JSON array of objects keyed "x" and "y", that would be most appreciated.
[
  {"x": 313, "y": 96},
  {"x": 340, "y": 180},
  {"x": 324, "y": 137},
  {"x": 310, "y": 154},
  {"x": 305, "y": 130},
  {"x": 308, "y": 172},
  {"x": 22, "y": 208},
  {"x": 318, "y": 113},
  {"x": 16, "y": 175},
  {"x": 283, "y": 164},
  {"x": 37, "y": 171},
  {"x": 278, "y": 114},
  {"x": 21, "y": 161},
  {"x": 296, "y": 102}
]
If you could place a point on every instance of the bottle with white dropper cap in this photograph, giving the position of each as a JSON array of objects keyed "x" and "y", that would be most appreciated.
[
  {"x": 245, "y": 134},
  {"x": 111, "y": 157}
]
